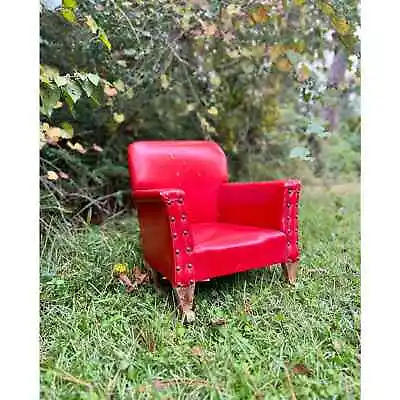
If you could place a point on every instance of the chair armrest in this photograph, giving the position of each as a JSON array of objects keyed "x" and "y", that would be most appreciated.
[
  {"x": 165, "y": 233},
  {"x": 272, "y": 204}
]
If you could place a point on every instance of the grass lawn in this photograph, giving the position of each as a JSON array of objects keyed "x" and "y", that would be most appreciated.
[{"x": 274, "y": 341}]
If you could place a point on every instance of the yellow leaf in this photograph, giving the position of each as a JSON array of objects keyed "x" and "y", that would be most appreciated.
[
  {"x": 233, "y": 9},
  {"x": 91, "y": 23},
  {"x": 215, "y": 79},
  {"x": 52, "y": 176},
  {"x": 260, "y": 15},
  {"x": 58, "y": 105},
  {"x": 213, "y": 111},
  {"x": 341, "y": 26},
  {"x": 303, "y": 73},
  {"x": 119, "y": 118},
  {"x": 53, "y": 134},
  {"x": 276, "y": 51},
  {"x": 190, "y": 107},
  {"x": 77, "y": 146},
  {"x": 164, "y": 81},
  {"x": 284, "y": 65},
  {"x": 44, "y": 127},
  {"x": 326, "y": 8},
  {"x": 129, "y": 93},
  {"x": 119, "y": 85}
]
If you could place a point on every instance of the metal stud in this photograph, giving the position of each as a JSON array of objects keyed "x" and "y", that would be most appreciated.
[
  {"x": 174, "y": 235},
  {"x": 172, "y": 219},
  {"x": 180, "y": 201},
  {"x": 191, "y": 281},
  {"x": 190, "y": 266},
  {"x": 183, "y": 217},
  {"x": 185, "y": 233},
  {"x": 188, "y": 249},
  {"x": 177, "y": 251},
  {"x": 178, "y": 268}
]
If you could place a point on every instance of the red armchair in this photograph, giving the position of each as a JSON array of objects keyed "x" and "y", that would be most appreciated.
[{"x": 196, "y": 226}]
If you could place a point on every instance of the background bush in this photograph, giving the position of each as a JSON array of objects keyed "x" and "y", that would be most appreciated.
[{"x": 276, "y": 83}]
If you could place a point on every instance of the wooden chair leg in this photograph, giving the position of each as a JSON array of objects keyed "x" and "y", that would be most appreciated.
[
  {"x": 289, "y": 271},
  {"x": 185, "y": 296}
]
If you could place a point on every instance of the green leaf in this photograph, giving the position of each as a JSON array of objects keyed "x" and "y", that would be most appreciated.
[
  {"x": 300, "y": 152},
  {"x": 69, "y": 15},
  {"x": 180, "y": 330},
  {"x": 67, "y": 131},
  {"x": 315, "y": 128},
  {"x": 131, "y": 373},
  {"x": 73, "y": 90},
  {"x": 293, "y": 57},
  {"x": 87, "y": 87},
  {"x": 60, "y": 80},
  {"x": 94, "y": 78},
  {"x": 49, "y": 96},
  {"x": 69, "y": 4}
]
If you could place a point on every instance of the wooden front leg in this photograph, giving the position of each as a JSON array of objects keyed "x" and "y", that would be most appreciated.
[
  {"x": 185, "y": 296},
  {"x": 289, "y": 271}
]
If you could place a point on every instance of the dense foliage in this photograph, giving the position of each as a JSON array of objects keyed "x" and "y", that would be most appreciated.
[{"x": 276, "y": 83}]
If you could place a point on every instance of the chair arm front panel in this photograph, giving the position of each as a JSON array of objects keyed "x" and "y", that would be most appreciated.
[
  {"x": 165, "y": 233},
  {"x": 290, "y": 220}
]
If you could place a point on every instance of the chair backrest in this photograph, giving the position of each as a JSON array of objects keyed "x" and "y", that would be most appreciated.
[{"x": 197, "y": 167}]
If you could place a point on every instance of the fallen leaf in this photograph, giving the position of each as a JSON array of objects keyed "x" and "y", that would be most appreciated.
[
  {"x": 97, "y": 148},
  {"x": 247, "y": 307},
  {"x": 52, "y": 176},
  {"x": 218, "y": 322},
  {"x": 140, "y": 277},
  {"x": 197, "y": 351},
  {"x": 301, "y": 369},
  {"x": 159, "y": 385}
]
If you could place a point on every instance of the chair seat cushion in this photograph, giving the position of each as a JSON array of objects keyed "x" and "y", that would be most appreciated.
[{"x": 222, "y": 249}]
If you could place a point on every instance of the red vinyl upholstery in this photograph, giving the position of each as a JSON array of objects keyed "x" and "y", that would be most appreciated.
[{"x": 195, "y": 225}]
